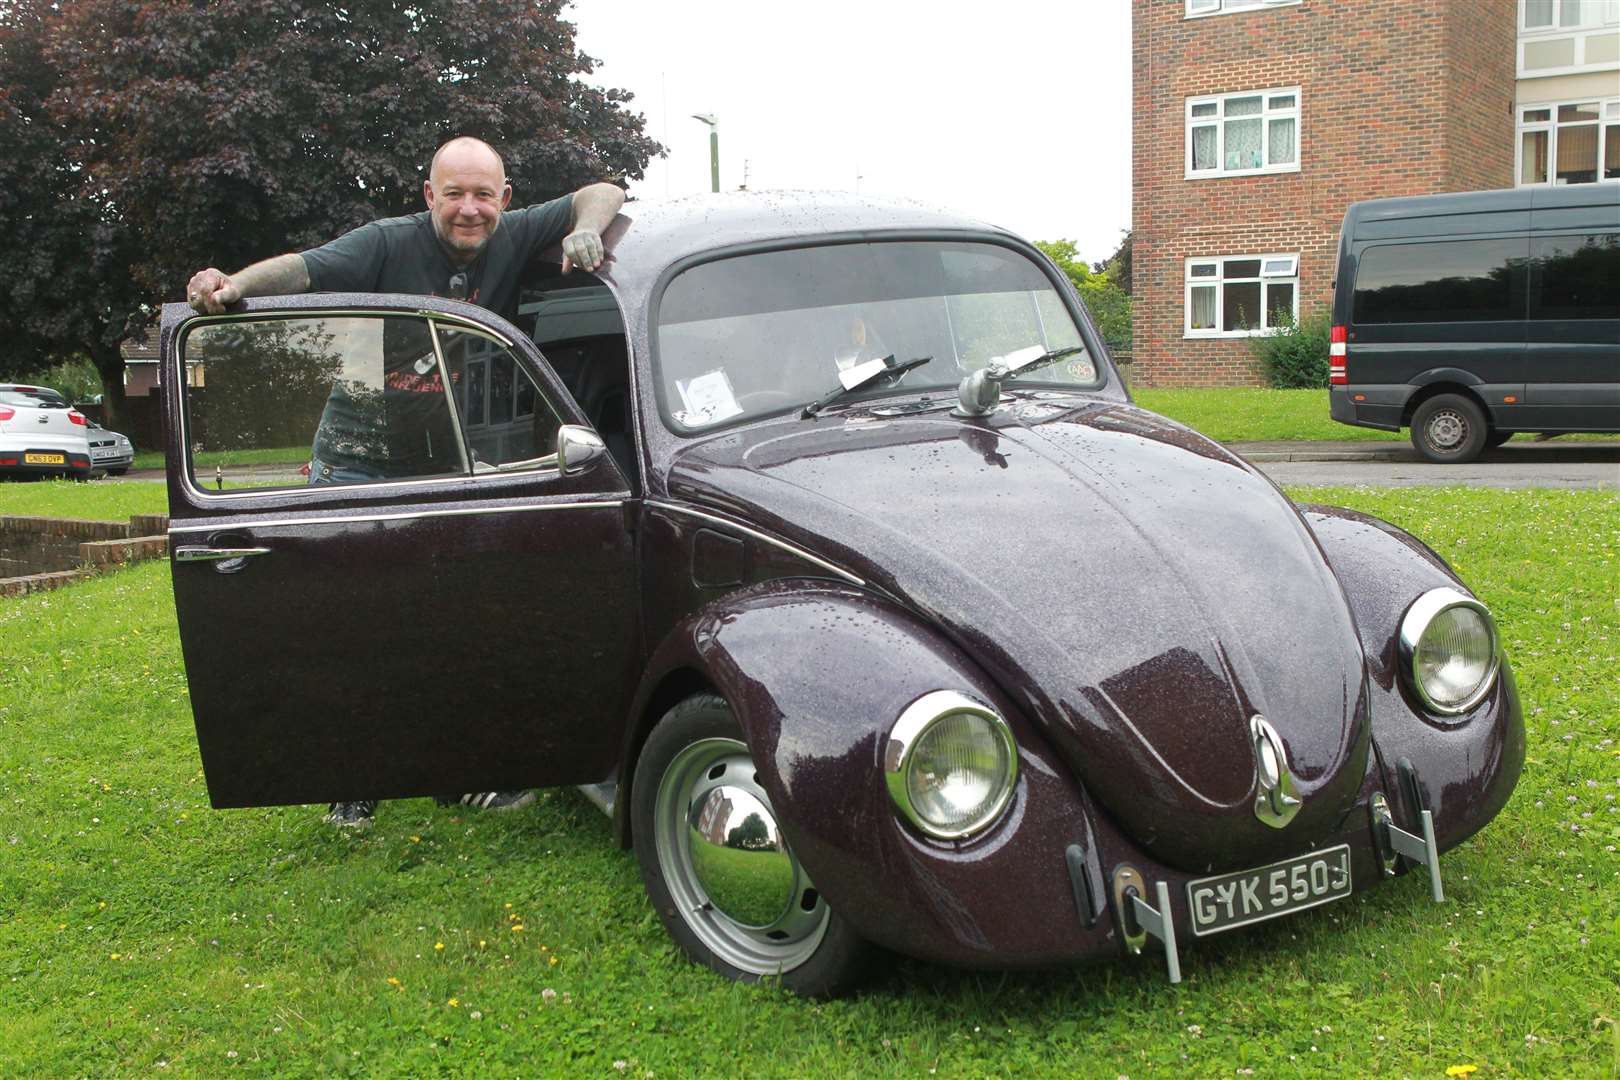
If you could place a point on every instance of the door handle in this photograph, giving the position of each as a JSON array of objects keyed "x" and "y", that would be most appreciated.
[{"x": 211, "y": 554}]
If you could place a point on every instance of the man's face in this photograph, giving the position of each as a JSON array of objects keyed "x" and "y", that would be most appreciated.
[{"x": 466, "y": 195}]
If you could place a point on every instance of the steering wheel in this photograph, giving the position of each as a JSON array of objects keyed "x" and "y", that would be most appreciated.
[{"x": 765, "y": 400}]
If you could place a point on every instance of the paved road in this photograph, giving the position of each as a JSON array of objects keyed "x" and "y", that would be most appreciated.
[{"x": 1556, "y": 463}]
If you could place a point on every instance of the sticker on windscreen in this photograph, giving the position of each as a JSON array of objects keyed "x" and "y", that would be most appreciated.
[{"x": 708, "y": 399}]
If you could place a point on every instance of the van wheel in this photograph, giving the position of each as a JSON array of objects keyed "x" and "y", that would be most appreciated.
[
  {"x": 717, "y": 868},
  {"x": 1448, "y": 429}
]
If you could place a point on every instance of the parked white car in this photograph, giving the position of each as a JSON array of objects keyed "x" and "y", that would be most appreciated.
[{"x": 40, "y": 436}]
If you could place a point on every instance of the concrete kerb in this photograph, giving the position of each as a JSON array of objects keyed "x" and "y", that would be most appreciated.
[{"x": 1549, "y": 451}]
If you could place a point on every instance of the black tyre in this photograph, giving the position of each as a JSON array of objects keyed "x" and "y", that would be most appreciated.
[
  {"x": 1449, "y": 428},
  {"x": 1497, "y": 438},
  {"x": 717, "y": 868}
]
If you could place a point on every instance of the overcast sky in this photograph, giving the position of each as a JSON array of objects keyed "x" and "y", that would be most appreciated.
[{"x": 1016, "y": 112}]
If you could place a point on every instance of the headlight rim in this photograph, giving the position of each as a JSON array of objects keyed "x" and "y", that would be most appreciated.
[
  {"x": 902, "y": 740},
  {"x": 1419, "y": 616}
]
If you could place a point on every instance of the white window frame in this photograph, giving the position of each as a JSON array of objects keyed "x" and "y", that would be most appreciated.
[
  {"x": 1283, "y": 270},
  {"x": 1608, "y": 126},
  {"x": 1592, "y": 13},
  {"x": 1598, "y": 19},
  {"x": 1266, "y": 116},
  {"x": 1200, "y": 9}
]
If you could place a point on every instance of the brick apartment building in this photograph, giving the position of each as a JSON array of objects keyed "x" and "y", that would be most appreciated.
[{"x": 1256, "y": 122}]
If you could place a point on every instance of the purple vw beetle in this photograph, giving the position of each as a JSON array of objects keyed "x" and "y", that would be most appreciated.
[{"x": 821, "y": 545}]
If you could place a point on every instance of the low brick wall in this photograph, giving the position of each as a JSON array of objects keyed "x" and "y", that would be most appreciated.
[{"x": 38, "y": 553}]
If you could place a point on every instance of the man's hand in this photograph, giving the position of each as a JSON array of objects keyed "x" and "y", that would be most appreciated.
[
  {"x": 582, "y": 248},
  {"x": 211, "y": 290}
]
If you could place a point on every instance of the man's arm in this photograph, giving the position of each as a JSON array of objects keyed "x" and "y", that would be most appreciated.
[
  {"x": 211, "y": 290},
  {"x": 594, "y": 207}
]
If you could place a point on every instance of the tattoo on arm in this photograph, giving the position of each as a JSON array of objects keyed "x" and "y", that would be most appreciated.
[{"x": 274, "y": 277}]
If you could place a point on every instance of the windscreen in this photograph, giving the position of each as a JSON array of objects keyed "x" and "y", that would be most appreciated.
[{"x": 773, "y": 331}]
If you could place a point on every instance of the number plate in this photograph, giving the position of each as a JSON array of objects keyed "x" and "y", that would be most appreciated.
[
  {"x": 99, "y": 452},
  {"x": 1248, "y": 896},
  {"x": 44, "y": 459}
]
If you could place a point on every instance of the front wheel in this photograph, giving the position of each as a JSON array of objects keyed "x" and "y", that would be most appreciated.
[
  {"x": 717, "y": 868},
  {"x": 1449, "y": 429}
]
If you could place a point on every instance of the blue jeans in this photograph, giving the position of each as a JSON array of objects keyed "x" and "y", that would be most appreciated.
[{"x": 322, "y": 473}]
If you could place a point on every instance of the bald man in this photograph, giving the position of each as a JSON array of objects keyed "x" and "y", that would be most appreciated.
[{"x": 466, "y": 244}]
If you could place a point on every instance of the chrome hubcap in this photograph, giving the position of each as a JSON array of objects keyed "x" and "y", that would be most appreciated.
[
  {"x": 740, "y": 858},
  {"x": 728, "y": 868}
]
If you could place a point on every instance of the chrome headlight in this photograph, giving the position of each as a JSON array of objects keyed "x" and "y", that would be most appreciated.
[
  {"x": 950, "y": 764},
  {"x": 1449, "y": 651}
]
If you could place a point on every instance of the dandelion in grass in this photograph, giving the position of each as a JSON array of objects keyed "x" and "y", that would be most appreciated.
[
  {"x": 395, "y": 983},
  {"x": 552, "y": 961},
  {"x": 517, "y": 928},
  {"x": 454, "y": 1003},
  {"x": 438, "y": 946},
  {"x": 1461, "y": 1070}
]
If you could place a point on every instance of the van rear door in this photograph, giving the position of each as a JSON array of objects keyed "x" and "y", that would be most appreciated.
[{"x": 1572, "y": 362}]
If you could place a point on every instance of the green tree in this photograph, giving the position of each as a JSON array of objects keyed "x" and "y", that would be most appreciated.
[
  {"x": 1110, "y": 305},
  {"x": 141, "y": 140}
]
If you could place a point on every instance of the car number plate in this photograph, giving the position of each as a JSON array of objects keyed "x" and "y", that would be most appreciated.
[
  {"x": 43, "y": 459},
  {"x": 1248, "y": 896},
  {"x": 99, "y": 452}
]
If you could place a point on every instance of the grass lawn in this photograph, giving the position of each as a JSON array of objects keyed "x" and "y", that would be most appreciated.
[
  {"x": 95, "y": 500},
  {"x": 140, "y": 930},
  {"x": 1253, "y": 414}
]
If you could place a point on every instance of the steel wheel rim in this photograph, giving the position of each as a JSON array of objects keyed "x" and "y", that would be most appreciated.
[
  {"x": 1448, "y": 429},
  {"x": 765, "y": 950}
]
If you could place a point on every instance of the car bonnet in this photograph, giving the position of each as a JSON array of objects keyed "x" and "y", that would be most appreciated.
[{"x": 1140, "y": 591}]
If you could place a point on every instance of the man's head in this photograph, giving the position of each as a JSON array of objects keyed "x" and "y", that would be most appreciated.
[{"x": 466, "y": 190}]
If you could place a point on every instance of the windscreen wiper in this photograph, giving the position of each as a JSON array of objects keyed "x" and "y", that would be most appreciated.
[
  {"x": 1021, "y": 363},
  {"x": 862, "y": 375},
  {"x": 981, "y": 390}
]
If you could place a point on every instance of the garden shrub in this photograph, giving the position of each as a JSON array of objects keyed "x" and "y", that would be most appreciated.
[{"x": 1294, "y": 356}]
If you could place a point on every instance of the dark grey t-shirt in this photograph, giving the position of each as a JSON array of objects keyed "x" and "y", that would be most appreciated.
[
  {"x": 403, "y": 255},
  {"x": 405, "y": 430}
]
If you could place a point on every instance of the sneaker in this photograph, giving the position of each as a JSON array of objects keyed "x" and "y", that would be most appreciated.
[
  {"x": 497, "y": 800},
  {"x": 351, "y": 815}
]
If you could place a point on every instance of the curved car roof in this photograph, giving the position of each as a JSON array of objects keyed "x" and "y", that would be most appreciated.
[{"x": 648, "y": 237}]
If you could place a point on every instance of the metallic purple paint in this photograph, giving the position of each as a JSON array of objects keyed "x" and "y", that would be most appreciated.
[{"x": 1125, "y": 592}]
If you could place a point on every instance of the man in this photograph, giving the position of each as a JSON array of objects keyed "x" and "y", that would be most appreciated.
[{"x": 464, "y": 245}]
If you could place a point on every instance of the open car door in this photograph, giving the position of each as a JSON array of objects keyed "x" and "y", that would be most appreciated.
[{"x": 388, "y": 581}]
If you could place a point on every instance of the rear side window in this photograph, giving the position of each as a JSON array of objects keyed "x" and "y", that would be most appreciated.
[
  {"x": 1575, "y": 277},
  {"x": 1446, "y": 281}
]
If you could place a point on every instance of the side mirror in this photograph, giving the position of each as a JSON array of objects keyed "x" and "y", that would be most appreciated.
[{"x": 578, "y": 449}]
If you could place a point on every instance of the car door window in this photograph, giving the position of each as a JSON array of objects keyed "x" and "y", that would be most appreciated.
[
  {"x": 290, "y": 401},
  {"x": 506, "y": 421}
]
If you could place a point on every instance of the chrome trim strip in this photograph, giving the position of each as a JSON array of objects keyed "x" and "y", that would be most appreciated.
[
  {"x": 762, "y": 537},
  {"x": 367, "y": 485},
  {"x": 914, "y": 721},
  {"x": 450, "y": 403},
  {"x": 304, "y": 313},
  {"x": 1424, "y": 610},
  {"x": 353, "y": 519}
]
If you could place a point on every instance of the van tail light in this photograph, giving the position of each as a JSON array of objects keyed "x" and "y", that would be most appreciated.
[
  {"x": 7, "y": 414},
  {"x": 76, "y": 416},
  {"x": 1338, "y": 347}
]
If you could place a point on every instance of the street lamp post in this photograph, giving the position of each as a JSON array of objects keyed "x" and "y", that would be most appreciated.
[{"x": 714, "y": 147}]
